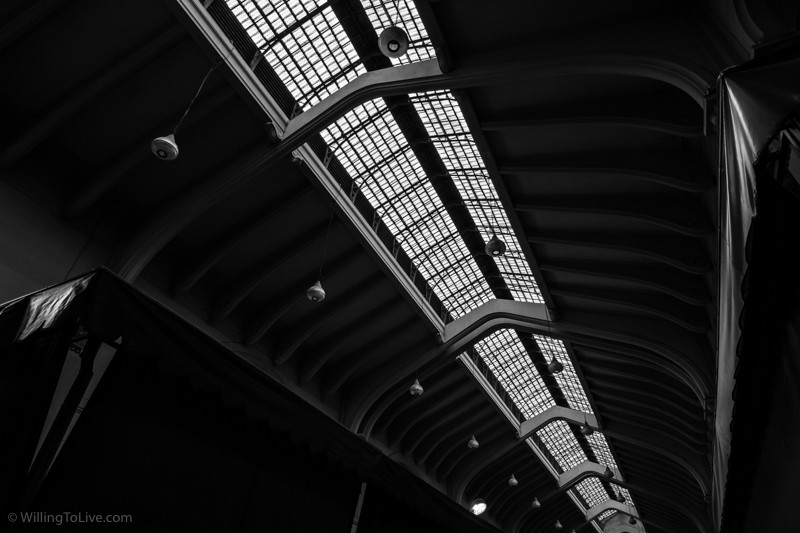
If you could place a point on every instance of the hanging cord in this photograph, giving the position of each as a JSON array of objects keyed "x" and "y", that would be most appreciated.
[
  {"x": 325, "y": 246},
  {"x": 205, "y": 79},
  {"x": 396, "y": 12},
  {"x": 88, "y": 239}
]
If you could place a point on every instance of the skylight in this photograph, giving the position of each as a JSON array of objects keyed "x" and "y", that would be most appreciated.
[
  {"x": 451, "y": 137},
  {"x": 402, "y": 13},
  {"x": 303, "y": 42},
  {"x": 369, "y": 144},
  {"x": 309, "y": 50},
  {"x": 509, "y": 362}
]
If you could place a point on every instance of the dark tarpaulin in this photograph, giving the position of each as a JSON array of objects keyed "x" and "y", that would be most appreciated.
[
  {"x": 756, "y": 99},
  {"x": 110, "y": 308}
]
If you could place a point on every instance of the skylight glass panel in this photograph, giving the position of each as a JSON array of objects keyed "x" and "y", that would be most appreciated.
[
  {"x": 369, "y": 144},
  {"x": 303, "y": 42},
  {"x": 592, "y": 491},
  {"x": 445, "y": 124},
  {"x": 510, "y": 363},
  {"x": 567, "y": 379},
  {"x": 561, "y": 442},
  {"x": 605, "y": 515},
  {"x": 402, "y": 13}
]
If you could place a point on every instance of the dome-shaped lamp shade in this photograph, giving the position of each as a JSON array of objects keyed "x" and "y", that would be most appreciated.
[
  {"x": 495, "y": 247},
  {"x": 165, "y": 148},
  {"x": 558, "y": 525},
  {"x": 535, "y": 504},
  {"x": 416, "y": 389},
  {"x": 620, "y": 498},
  {"x": 512, "y": 481},
  {"x": 473, "y": 443},
  {"x": 608, "y": 472},
  {"x": 316, "y": 293},
  {"x": 393, "y": 42},
  {"x": 477, "y": 506},
  {"x": 632, "y": 521},
  {"x": 586, "y": 430},
  {"x": 555, "y": 366}
]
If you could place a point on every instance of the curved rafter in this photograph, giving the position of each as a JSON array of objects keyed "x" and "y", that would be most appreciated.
[
  {"x": 688, "y": 317},
  {"x": 137, "y": 152},
  {"x": 686, "y": 287},
  {"x": 238, "y": 234},
  {"x": 319, "y": 354},
  {"x": 657, "y": 210},
  {"x": 680, "y": 252},
  {"x": 98, "y": 83}
]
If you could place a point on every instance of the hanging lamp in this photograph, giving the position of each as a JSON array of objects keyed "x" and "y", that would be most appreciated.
[
  {"x": 535, "y": 504},
  {"x": 512, "y": 481},
  {"x": 495, "y": 247},
  {"x": 472, "y": 443},
  {"x": 416, "y": 389}
]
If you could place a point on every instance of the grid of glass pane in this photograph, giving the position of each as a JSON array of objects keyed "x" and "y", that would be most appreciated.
[
  {"x": 567, "y": 379},
  {"x": 402, "y": 13},
  {"x": 592, "y": 491},
  {"x": 303, "y": 42},
  {"x": 605, "y": 515},
  {"x": 562, "y": 444},
  {"x": 369, "y": 144},
  {"x": 510, "y": 363},
  {"x": 445, "y": 124}
]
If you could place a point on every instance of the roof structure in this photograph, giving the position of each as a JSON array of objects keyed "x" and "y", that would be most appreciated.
[{"x": 580, "y": 134}]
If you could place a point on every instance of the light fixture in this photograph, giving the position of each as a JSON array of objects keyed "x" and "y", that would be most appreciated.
[
  {"x": 555, "y": 366},
  {"x": 166, "y": 148},
  {"x": 512, "y": 481},
  {"x": 495, "y": 247},
  {"x": 620, "y": 498},
  {"x": 632, "y": 521},
  {"x": 316, "y": 293},
  {"x": 477, "y": 506},
  {"x": 416, "y": 389},
  {"x": 608, "y": 472},
  {"x": 586, "y": 430},
  {"x": 472, "y": 443},
  {"x": 535, "y": 504},
  {"x": 393, "y": 42},
  {"x": 558, "y": 525}
]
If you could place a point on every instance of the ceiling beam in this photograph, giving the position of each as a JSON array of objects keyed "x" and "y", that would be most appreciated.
[
  {"x": 29, "y": 20},
  {"x": 530, "y": 317},
  {"x": 691, "y": 318},
  {"x": 580, "y": 120},
  {"x": 291, "y": 339},
  {"x": 679, "y": 252},
  {"x": 246, "y": 283},
  {"x": 493, "y": 67},
  {"x": 671, "y": 213},
  {"x": 238, "y": 234},
  {"x": 688, "y": 288},
  {"x": 675, "y": 175},
  {"x": 106, "y": 178},
  {"x": 90, "y": 88},
  {"x": 262, "y": 321}
]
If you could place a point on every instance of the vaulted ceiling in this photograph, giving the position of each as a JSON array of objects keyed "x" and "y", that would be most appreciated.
[{"x": 594, "y": 125}]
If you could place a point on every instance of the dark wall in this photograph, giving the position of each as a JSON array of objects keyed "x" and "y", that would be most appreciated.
[
  {"x": 151, "y": 446},
  {"x": 763, "y": 485}
]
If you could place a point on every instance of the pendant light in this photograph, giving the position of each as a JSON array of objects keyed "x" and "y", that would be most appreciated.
[
  {"x": 472, "y": 443},
  {"x": 558, "y": 525},
  {"x": 166, "y": 148},
  {"x": 316, "y": 293},
  {"x": 620, "y": 498},
  {"x": 632, "y": 521},
  {"x": 535, "y": 504},
  {"x": 586, "y": 430},
  {"x": 416, "y": 389},
  {"x": 495, "y": 247},
  {"x": 478, "y": 506},
  {"x": 555, "y": 366},
  {"x": 393, "y": 41},
  {"x": 608, "y": 472},
  {"x": 512, "y": 481}
]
